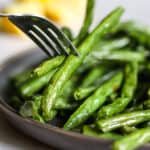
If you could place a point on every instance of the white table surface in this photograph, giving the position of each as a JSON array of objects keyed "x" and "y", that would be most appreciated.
[{"x": 11, "y": 139}]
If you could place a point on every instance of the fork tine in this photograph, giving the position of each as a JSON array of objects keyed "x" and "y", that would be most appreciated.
[
  {"x": 59, "y": 33},
  {"x": 25, "y": 23},
  {"x": 44, "y": 37},
  {"x": 39, "y": 42},
  {"x": 58, "y": 42},
  {"x": 39, "y": 32}
]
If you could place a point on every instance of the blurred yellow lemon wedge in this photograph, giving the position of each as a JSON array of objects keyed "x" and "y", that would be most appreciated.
[
  {"x": 23, "y": 7},
  {"x": 64, "y": 12}
]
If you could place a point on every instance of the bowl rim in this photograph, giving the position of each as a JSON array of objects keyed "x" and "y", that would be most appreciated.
[{"x": 7, "y": 109}]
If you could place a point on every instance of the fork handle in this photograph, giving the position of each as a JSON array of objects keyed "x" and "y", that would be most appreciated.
[
  {"x": 8, "y": 15},
  {"x": 4, "y": 15}
]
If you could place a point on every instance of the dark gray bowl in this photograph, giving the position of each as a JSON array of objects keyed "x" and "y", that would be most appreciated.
[{"x": 45, "y": 133}]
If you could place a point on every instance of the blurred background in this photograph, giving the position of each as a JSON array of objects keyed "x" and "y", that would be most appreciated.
[
  {"x": 71, "y": 12},
  {"x": 63, "y": 12},
  {"x": 68, "y": 13}
]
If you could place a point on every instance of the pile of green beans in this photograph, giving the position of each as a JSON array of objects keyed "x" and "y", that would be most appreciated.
[{"x": 104, "y": 92}]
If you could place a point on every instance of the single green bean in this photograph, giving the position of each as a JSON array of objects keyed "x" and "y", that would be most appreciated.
[
  {"x": 128, "y": 129},
  {"x": 87, "y": 22},
  {"x": 131, "y": 118},
  {"x": 48, "y": 66},
  {"x": 67, "y": 32},
  {"x": 109, "y": 110},
  {"x": 93, "y": 74},
  {"x": 90, "y": 131},
  {"x": 92, "y": 103},
  {"x": 34, "y": 84},
  {"x": 82, "y": 93},
  {"x": 123, "y": 55},
  {"x": 62, "y": 104},
  {"x": 131, "y": 77},
  {"x": 112, "y": 44},
  {"x": 73, "y": 62},
  {"x": 69, "y": 87},
  {"x": 133, "y": 140}
]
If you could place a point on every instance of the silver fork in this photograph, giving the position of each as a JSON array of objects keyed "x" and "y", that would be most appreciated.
[{"x": 44, "y": 33}]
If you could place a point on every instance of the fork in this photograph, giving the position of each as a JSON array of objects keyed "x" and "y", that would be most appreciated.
[{"x": 44, "y": 33}]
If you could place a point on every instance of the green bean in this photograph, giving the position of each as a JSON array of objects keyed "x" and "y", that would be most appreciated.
[
  {"x": 69, "y": 87},
  {"x": 138, "y": 31},
  {"x": 31, "y": 109},
  {"x": 112, "y": 44},
  {"x": 92, "y": 103},
  {"x": 109, "y": 110},
  {"x": 62, "y": 104},
  {"x": 133, "y": 140},
  {"x": 129, "y": 87},
  {"x": 128, "y": 129},
  {"x": 48, "y": 66},
  {"x": 104, "y": 47},
  {"x": 34, "y": 84},
  {"x": 82, "y": 93},
  {"x": 87, "y": 22},
  {"x": 67, "y": 32},
  {"x": 123, "y": 55},
  {"x": 87, "y": 130},
  {"x": 131, "y": 118},
  {"x": 73, "y": 62},
  {"x": 95, "y": 73},
  {"x": 130, "y": 83}
]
